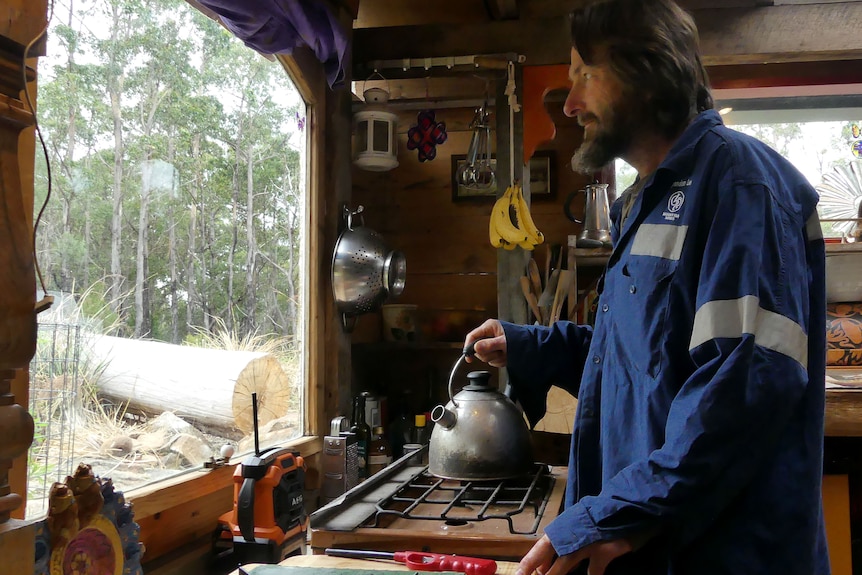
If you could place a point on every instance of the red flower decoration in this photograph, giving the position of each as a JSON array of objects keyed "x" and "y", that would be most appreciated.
[{"x": 426, "y": 135}]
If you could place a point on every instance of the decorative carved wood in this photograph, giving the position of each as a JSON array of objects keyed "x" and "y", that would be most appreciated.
[
  {"x": 538, "y": 81},
  {"x": 17, "y": 281}
]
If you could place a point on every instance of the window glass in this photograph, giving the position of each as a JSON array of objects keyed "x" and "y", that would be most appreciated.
[
  {"x": 382, "y": 134},
  {"x": 823, "y": 151},
  {"x": 826, "y": 151},
  {"x": 173, "y": 242}
]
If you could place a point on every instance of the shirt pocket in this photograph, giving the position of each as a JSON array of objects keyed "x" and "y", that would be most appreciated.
[{"x": 642, "y": 298}]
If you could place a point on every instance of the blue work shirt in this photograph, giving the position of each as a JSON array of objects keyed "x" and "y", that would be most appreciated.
[{"x": 699, "y": 426}]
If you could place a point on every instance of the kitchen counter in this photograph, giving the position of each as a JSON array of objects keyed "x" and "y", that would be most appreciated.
[
  {"x": 844, "y": 412},
  {"x": 844, "y": 404},
  {"x": 310, "y": 562}
]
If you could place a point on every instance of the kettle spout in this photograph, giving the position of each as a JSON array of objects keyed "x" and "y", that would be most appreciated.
[{"x": 443, "y": 417}]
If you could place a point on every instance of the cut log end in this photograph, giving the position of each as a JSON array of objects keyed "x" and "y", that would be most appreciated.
[{"x": 265, "y": 377}]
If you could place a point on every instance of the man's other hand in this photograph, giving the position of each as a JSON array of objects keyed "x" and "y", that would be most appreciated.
[{"x": 543, "y": 560}]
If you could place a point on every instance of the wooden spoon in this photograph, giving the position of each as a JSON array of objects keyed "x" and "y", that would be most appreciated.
[
  {"x": 531, "y": 299},
  {"x": 535, "y": 278}
]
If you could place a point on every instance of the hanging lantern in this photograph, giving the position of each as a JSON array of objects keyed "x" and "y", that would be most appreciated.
[{"x": 374, "y": 145}]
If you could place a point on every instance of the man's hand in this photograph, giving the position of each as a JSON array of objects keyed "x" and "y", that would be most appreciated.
[
  {"x": 543, "y": 560},
  {"x": 492, "y": 347}
]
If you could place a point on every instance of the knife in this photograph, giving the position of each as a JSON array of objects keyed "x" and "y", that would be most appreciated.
[{"x": 422, "y": 561}]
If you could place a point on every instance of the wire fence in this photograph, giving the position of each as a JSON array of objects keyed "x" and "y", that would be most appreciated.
[{"x": 54, "y": 405}]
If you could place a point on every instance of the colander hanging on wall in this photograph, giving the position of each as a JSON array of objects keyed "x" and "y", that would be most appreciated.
[{"x": 364, "y": 271}]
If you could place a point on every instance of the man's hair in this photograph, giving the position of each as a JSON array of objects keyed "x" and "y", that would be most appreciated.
[{"x": 652, "y": 47}]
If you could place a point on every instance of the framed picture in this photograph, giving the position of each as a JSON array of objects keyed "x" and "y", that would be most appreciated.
[
  {"x": 543, "y": 175},
  {"x": 543, "y": 181}
]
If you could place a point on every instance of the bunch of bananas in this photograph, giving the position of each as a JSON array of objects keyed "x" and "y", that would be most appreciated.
[{"x": 511, "y": 224}]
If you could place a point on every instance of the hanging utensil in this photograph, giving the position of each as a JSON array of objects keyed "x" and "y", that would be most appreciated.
[
  {"x": 476, "y": 172},
  {"x": 364, "y": 271}
]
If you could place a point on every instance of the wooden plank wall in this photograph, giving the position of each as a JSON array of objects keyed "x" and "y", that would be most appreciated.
[{"x": 452, "y": 268}]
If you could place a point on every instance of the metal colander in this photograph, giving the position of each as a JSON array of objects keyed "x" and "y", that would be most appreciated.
[{"x": 364, "y": 271}]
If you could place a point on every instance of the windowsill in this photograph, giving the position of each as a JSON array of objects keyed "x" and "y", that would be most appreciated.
[
  {"x": 187, "y": 501},
  {"x": 142, "y": 496}
]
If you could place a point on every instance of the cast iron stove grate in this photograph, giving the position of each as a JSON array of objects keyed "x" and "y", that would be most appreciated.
[{"x": 426, "y": 497}]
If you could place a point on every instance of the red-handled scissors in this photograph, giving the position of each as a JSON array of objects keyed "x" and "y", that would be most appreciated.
[{"x": 422, "y": 561}]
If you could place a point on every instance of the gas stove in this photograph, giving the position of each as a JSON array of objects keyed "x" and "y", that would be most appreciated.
[{"x": 404, "y": 507}]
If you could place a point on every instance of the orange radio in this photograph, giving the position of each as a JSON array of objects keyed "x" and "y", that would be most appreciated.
[{"x": 268, "y": 521}]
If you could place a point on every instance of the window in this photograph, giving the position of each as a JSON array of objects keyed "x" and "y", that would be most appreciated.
[
  {"x": 820, "y": 135},
  {"x": 174, "y": 241}
]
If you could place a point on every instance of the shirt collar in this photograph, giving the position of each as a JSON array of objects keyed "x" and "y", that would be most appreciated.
[{"x": 681, "y": 156}]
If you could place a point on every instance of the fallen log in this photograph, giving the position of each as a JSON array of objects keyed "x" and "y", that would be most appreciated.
[{"x": 211, "y": 387}]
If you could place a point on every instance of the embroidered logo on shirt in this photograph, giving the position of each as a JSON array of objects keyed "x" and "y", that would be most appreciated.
[
  {"x": 674, "y": 205},
  {"x": 675, "y": 202}
]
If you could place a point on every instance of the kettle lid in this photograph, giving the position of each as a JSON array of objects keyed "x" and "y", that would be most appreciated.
[{"x": 478, "y": 381}]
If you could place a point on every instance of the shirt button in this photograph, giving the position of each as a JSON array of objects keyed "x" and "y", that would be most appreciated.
[
  {"x": 605, "y": 308},
  {"x": 632, "y": 288},
  {"x": 596, "y": 359}
]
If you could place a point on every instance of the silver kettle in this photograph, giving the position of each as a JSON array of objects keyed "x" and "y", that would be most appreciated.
[
  {"x": 597, "y": 221},
  {"x": 480, "y": 434}
]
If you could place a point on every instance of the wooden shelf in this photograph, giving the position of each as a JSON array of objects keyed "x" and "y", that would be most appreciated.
[
  {"x": 854, "y": 248},
  {"x": 378, "y": 346},
  {"x": 592, "y": 256}
]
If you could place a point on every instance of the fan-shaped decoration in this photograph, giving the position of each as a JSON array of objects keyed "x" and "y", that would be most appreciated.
[
  {"x": 426, "y": 135},
  {"x": 841, "y": 195}
]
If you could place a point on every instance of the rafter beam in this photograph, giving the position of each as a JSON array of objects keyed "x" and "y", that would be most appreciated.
[{"x": 787, "y": 33}]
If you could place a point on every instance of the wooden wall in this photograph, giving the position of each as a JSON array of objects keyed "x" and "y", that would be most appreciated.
[{"x": 451, "y": 265}]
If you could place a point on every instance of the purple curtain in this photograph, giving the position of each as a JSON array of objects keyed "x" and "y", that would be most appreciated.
[{"x": 279, "y": 26}]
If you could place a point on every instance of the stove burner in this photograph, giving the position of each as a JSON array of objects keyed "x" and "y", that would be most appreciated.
[
  {"x": 461, "y": 503},
  {"x": 456, "y": 525}
]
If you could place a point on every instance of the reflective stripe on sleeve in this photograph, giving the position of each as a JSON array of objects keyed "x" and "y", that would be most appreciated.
[
  {"x": 813, "y": 229},
  {"x": 734, "y": 317},
  {"x": 659, "y": 240}
]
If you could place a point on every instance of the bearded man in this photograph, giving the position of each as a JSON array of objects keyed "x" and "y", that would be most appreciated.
[{"x": 698, "y": 438}]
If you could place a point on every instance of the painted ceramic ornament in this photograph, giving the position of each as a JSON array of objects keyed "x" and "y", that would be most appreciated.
[
  {"x": 102, "y": 540},
  {"x": 426, "y": 135}
]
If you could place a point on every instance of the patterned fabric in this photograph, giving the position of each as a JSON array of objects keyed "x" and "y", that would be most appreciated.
[
  {"x": 844, "y": 334},
  {"x": 701, "y": 388}
]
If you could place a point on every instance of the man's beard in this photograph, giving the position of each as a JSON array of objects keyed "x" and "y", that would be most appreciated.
[{"x": 611, "y": 140}]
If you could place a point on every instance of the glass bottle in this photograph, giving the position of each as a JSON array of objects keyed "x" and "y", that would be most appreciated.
[
  {"x": 421, "y": 435},
  {"x": 401, "y": 431},
  {"x": 363, "y": 436},
  {"x": 379, "y": 453}
]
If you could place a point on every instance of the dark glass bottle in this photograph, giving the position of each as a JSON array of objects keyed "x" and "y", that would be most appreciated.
[
  {"x": 401, "y": 431},
  {"x": 379, "y": 453},
  {"x": 363, "y": 435}
]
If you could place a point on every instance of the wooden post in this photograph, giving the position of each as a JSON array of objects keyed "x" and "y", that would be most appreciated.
[
  {"x": 511, "y": 265},
  {"x": 17, "y": 298},
  {"x": 25, "y": 21}
]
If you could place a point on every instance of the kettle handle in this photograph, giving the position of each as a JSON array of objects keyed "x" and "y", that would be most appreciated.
[
  {"x": 469, "y": 350},
  {"x": 567, "y": 208}
]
